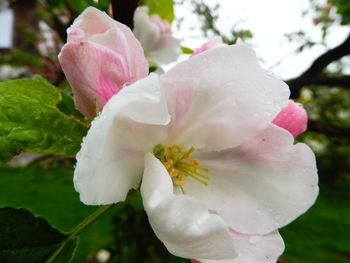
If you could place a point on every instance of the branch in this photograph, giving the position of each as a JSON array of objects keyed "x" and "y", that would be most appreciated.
[
  {"x": 341, "y": 81},
  {"x": 313, "y": 73},
  {"x": 123, "y": 11}
]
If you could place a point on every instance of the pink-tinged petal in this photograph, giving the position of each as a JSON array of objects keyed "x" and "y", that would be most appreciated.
[
  {"x": 95, "y": 74},
  {"x": 221, "y": 98},
  {"x": 163, "y": 25},
  {"x": 293, "y": 118},
  {"x": 110, "y": 161},
  {"x": 254, "y": 249},
  {"x": 261, "y": 185},
  {"x": 212, "y": 43},
  {"x": 101, "y": 55},
  {"x": 181, "y": 222}
]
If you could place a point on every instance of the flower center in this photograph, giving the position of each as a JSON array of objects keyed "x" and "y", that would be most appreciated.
[{"x": 180, "y": 164}]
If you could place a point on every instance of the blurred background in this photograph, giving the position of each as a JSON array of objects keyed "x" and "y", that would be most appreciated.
[{"x": 304, "y": 42}]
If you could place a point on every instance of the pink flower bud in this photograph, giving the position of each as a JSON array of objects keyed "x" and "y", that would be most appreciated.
[
  {"x": 212, "y": 43},
  {"x": 163, "y": 25},
  {"x": 156, "y": 37},
  {"x": 99, "y": 58},
  {"x": 293, "y": 118}
]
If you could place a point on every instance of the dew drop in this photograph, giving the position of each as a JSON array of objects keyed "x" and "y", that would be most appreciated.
[{"x": 254, "y": 239}]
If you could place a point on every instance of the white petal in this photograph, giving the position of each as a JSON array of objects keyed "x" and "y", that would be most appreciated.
[
  {"x": 165, "y": 51},
  {"x": 110, "y": 161},
  {"x": 145, "y": 31},
  {"x": 262, "y": 185},
  {"x": 255, "y": 249},
  {"x": 181, "y": 222},
  {"x": 221, "y": 98}
]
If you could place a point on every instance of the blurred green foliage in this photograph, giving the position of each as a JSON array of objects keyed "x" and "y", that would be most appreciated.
[
  {"x": 77, "y": 5},
  {"x": 343, "y": 9},
  {"x": 329, "y": 129},
  {"x": 322, "y": 234},
  {"x": 164, "y": 8}
]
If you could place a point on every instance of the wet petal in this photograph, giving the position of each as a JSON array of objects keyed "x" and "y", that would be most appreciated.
[
  {"x": 261, "y": 185},
  {"x": 221, "y": 98},
  {"x": 181, "y": 222},
  {"x": 255, "y": 249},
  {"x": 110, "y": 161}
]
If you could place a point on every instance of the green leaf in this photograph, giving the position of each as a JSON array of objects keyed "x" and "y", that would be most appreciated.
[
  {"x": 164, "y": 8},
  {"x": 30, "y": 120},
  {"x": 66, "y": 253},
  {"x": 26, "y": 238},
  {"x": 49, "y": 193}
]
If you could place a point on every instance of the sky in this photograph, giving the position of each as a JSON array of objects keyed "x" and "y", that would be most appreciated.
[{"x": 269, "y": 20}]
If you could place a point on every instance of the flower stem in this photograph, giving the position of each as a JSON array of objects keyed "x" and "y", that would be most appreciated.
[{"x": 80, "y": 228}]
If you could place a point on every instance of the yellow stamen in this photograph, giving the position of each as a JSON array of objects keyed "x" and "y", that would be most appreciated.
[{"x": 180, "y": 164}]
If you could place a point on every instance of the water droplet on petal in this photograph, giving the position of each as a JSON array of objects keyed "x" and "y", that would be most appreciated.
[{"x": 254, "y": 239}]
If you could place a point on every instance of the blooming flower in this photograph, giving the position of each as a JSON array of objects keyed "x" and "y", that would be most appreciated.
[
  {"x": 99, "y": 58},
  {"x": 217, "y": 177},
  {"x": 210, "y": 44},
  {"x": 156, "y": 37},
  {"x": 293, "y": 118}
]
